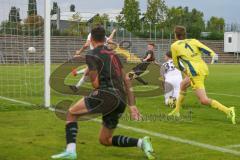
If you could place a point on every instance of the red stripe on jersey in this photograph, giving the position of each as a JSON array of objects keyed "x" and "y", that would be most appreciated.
[{"x": 114, "y": 61}]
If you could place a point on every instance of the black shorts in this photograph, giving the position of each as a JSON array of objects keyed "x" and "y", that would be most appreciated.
[
  {"x": 141, "y": 68},
  {"x": 108, "y": 104}
]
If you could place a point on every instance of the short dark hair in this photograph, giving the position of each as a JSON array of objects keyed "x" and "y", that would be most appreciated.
[
  {"x": 98, "y": 34},
  {"x": 180, "y": 32},
  {"x": 151, "y": 44},
  {"x": 169, "y": 54}
]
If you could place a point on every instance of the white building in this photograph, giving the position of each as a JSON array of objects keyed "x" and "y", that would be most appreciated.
[
  {"x": 232, "y": 42},
  {"x": 64, "y": 20}
]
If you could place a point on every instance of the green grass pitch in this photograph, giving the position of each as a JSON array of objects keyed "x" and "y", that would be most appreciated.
[{"x": 29, "y": 133}]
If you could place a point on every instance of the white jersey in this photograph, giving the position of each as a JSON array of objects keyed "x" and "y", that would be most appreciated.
[
  {"x": 89, "y": 39},
  {"x": 172, "y": 79},
  {"x": 169, "y": 71}
]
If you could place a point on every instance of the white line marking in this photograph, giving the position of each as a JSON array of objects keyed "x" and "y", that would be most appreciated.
[
  {"x": 222, "y": 94},
  {"x": 210, "y": 93},
  {"x": 159, "y": 135},
  {"x": 16, "y": 101},
  {"x": 233, "y": 146},
  {"x": 180, "y": 140}
]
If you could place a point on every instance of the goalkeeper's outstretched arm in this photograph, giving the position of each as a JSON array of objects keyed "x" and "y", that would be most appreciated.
[{"x": 208, "y": 51}]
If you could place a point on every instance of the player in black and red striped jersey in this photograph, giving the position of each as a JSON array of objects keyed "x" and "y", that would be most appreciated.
[{"x": 108, "y": 98}]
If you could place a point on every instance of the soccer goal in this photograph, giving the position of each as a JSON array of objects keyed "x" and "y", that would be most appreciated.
[{"x": 25, "y": 52}]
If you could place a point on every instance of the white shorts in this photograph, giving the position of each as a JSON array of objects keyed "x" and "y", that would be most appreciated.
[{"x": 175, "y": 87}]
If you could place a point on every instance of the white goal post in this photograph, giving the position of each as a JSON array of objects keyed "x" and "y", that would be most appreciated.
[{"x": 47, "y": 50}]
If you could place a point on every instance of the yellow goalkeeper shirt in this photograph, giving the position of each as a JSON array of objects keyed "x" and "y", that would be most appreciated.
[{"x": 189, "y": 52}]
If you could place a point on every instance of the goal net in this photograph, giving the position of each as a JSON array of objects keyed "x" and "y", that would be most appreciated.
[
  {"x": 21, "y": 52},
  {"x": 26, "y": 49}
]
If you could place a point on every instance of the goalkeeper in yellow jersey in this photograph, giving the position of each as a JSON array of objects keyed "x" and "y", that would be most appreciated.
[{"x": 188, "y": 52}]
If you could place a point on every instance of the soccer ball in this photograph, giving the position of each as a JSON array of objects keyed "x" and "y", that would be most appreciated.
[{"x": 31, "y": 50}]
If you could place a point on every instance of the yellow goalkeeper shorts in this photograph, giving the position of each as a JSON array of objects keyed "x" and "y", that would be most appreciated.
[{"x": 197, "y": 82}]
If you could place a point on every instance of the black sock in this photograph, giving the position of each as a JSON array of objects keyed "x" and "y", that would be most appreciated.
[
  {"x": 141, "y": 81},
  {"x": 71, "y": 132},
  {"x": 122, "y": 141}
]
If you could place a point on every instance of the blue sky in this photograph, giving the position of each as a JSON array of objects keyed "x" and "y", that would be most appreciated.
[{"x": 228, "y": 9}]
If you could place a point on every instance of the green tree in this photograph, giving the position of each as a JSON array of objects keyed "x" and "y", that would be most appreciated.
[
  {"x": 131, "y": 15},
  {"x": 13, "y": 25},
  {"x": 174, "y": 17},
  {"x": 156, "y": 11},
  {"x": 76, "y": 28},
  {"x": 192, "y": 20},
  {"x": 32, "y": 7},
  {"x": 195, "y": 24},
  {"x": 216, "y": 24},
  {"x": 11, "y": 28},
  {"x": 14, "y": 15},
  {"x": 100, "y": 19},
  {"x": 33, "y": 25}
]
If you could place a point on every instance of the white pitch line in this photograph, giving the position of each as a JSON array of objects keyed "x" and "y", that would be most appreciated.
[
  {"x": 159, "y": 135},
  {"x": 179, "y": 140},
  {"x": 222, "y": 94},
  {"x": 210, "y": 93},
  {"x": 233, "y": 146},
  {"x": 16, "y": 101}
]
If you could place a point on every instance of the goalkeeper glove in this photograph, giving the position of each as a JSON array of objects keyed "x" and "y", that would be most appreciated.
[{"x": 214, "y": 59}]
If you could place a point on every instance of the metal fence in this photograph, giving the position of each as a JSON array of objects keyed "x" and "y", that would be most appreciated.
[{"x": 234, "y": 27}]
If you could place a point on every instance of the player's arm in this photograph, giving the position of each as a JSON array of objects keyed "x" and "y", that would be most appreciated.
[
  {"x": 206, "y": 50},
  {"x": 84, "y": 47},
  {"x": 93, "y": 75},
  {"x": 110, "y": 38},
  {"x": 176, "y": 61},
  {"x": 148, "y": 57},
  {"x": 175, "y": 58},
  {"x": 92, "y": 63},
  {"x": 131, "y": 98}
]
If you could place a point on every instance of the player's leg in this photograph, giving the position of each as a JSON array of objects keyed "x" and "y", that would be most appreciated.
[
  {"x": 135, "y": 75},
  {"x": 139, "y": 79},
  {"x": 183, "y": 91},
  {"x": 138, "y": 71},
  {"x": 167, "y": 97},
  {"x": 76, "y": 72},
  {"x": 82, "y": 71},
  {"x": 106, "y": 137},
  {"x": 203, "y": 98},
  {"x": 169, "y": 91},
  {"x": 71, "y": 130},
  {"x": 82, "y": 81},
  {"x": 84, "y": 78}
]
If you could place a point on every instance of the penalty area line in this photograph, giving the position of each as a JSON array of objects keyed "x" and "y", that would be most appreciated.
[{"x": 155, "y": 134}]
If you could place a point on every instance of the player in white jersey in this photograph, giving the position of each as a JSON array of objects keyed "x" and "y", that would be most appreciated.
[
  {"x": 172, "y": 78},
  {"x": 84, "y": 71}
]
